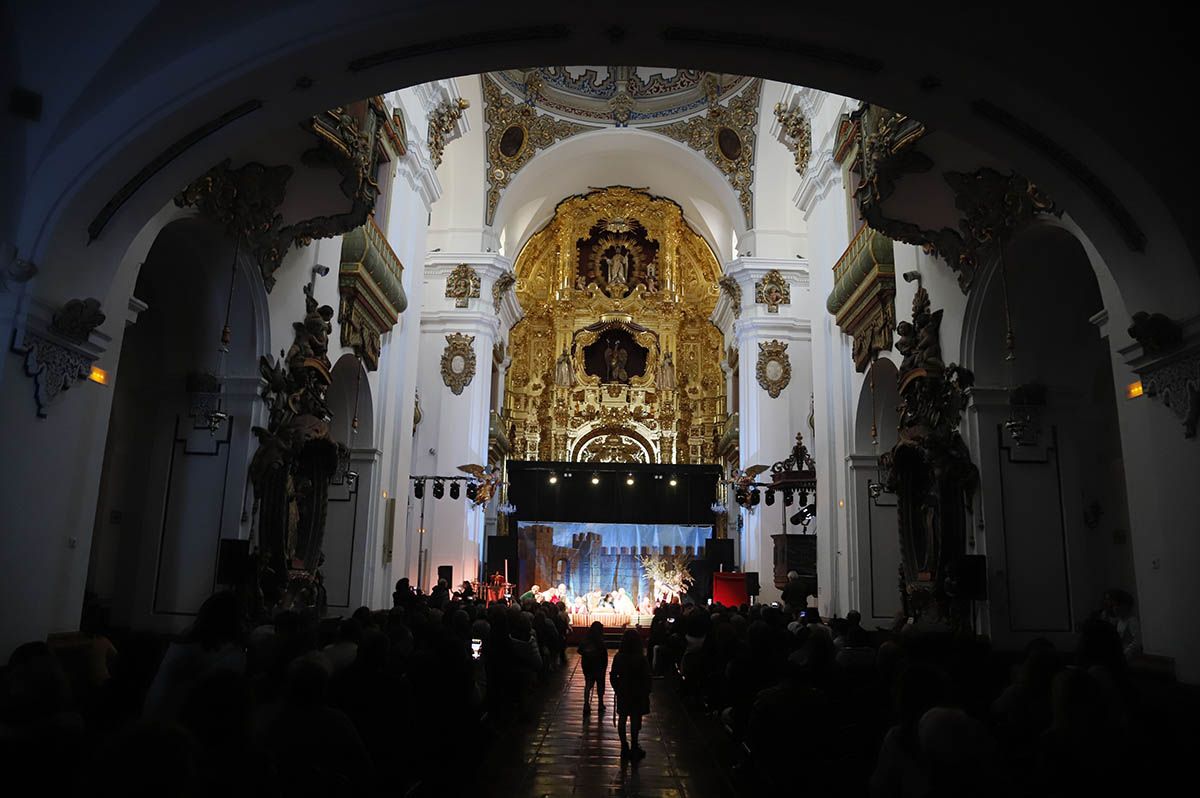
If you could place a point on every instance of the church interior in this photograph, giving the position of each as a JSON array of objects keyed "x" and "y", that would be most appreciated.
[{"x": 366, "y": 381}]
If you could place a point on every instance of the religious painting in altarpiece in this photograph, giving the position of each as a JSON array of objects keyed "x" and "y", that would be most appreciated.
[{"x": 616, "y": 359}]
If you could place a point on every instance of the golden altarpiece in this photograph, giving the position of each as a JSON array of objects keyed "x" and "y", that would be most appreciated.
[{"x": 616, "y": 359}]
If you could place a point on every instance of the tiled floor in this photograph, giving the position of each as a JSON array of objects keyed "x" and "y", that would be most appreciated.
[{"x": 564, "y": 753}]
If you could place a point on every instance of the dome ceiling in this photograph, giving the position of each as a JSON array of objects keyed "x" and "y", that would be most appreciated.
[{"x": 622, "y": 96}]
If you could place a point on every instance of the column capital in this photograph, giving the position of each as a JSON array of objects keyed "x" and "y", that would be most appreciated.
[
  {"x": 748, "y": 270},
  {"x": 787, "y": 328}
]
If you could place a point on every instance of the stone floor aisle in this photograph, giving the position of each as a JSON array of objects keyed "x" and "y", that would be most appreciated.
[{"x": 565, "y": 754}]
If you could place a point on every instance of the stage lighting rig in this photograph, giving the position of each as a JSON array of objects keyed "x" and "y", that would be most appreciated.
[
  {"x": 755, "y": 497},
  {"x": 788, "y": 497},
  {"x": 439, "y": 489},
  {"x": 472, "y": 490},
  {"x": 419, "y": 489},
  {"x": 770, "y": 497},
  {"x": 454, "y": 489}
]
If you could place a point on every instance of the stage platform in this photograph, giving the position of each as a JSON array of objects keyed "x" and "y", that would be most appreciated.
[{"x": 611, "y": 620}]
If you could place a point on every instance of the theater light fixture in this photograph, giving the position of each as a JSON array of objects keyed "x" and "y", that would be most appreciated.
[
  {"x": 755, "y": 497},
  {"x": 454, "y": 489},
  {"x": 472, "y": 490},
  {"x": 674, "y": 481},
  {"x": 788, "y": 497},
  {"x": 770, "y": 497},
  {"x": 595, "y": 479},
  {"x": 419, "y": 489},
  {"x": 553, "y": 478},
  {"x": 100, "y": 376},
  {"x": 629, "y": 479},
  {"x": 439, "y": 489}
]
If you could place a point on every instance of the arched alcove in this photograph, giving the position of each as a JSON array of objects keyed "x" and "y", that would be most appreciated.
[
  {"x": 876, "y": 523},
  {"x": 172, "y": 488},
  {"x": 347, "y": 522},
  {"x": 1046, "y": 439}
]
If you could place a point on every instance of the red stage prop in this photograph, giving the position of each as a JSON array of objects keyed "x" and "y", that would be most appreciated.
[{"x": 729, "y": 589}]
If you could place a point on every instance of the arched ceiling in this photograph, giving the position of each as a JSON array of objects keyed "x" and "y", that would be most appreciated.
[
  {"x": 609, "y": 157},
  {"x": 621, "y": 95}
]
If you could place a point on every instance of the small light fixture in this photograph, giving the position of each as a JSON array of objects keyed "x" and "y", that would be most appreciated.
[
  {"x": 472, "y": 491},
  {"x": 100, "y": 376},
  {"x": 770, "y": 497},
  {"x": 1132, "y": 392},
  {"x": 841, "y": 502},
  {"x": 454, "y": 489},
  {"x": 385, "y": 494},
  {"x": 595, "y": 479},
  {"x": 717, "y": 508},
  {"x": 673, "y": 481},
  {"x": 629, "y": 479},
  {"x": 553, "y": 478},
  {"x": 439, "y": 489},
  {"x": 419, "y": 489}
]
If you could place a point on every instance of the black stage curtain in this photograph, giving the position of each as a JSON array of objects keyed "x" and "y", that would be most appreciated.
[{"x": 612, "y": 500}]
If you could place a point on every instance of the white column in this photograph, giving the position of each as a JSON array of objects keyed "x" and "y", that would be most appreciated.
[
  {"x": 769, "y": 424},
  {"x": 454, "y": 428}
]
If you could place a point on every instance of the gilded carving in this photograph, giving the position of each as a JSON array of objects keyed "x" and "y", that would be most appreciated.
[
  {"x": 462, "y": 285},
  {"x": 734, "y": 292},
  {"x": 515, "y": 132},
  {"x": 458, "y": 362},
  {"x": 774, "y": 368},
  {"x": 798, "y": 131},
  {"x": 442, "y": 120},
  {"x": 726, "y": 136},
  {"x": 371, "y": 290},
  {"x": 556, "y": 397},
  {"x": 772, "y": 290},
  {"x": 499, "y": 288}
]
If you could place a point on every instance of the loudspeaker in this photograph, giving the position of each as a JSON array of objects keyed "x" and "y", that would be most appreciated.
[
  {"x": 701, "y": 571},
  {"x": 446, "y": 572},
  {"x": 719, "y": 552},
  {"x": 233, "y": 558},
  {"x": 972, "y": 577},
  {"x": 752, "y": 588}
]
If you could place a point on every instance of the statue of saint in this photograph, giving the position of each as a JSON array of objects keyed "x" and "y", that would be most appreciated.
[
  {"x": 666, "y": 373},
  {"x": 564, "y": 373},
  {"x": 615, "y": 358},
  {"x": 651, "y": 279},
  {"x": 618, "y": 267}
]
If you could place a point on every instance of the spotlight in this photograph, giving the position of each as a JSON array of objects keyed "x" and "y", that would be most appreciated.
[
  {"x": 454, "y": 489},
  {"x": 788, "y": 497},
  {"x": 419, "y": 489},
  {"x": 629, "y": 479},
  {"x": 595, "y": 479},
  {"x": 673, "y": 482},
  {"x": 755, "y": 497},
  {"x": 741, "y": 497},
  {"x": 439, "y": 489},
  {"x": 770, "y": 497},
  {"x": 553, "y": 478},
  {"x": 472, "y": 490}
]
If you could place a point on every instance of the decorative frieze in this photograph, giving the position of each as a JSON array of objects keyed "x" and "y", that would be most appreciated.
[
  {"x": 774, "y": 368},
  {"x": 462, "y": 285}
]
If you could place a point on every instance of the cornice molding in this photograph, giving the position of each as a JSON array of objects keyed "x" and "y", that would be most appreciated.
[
  {"x": 747, "y": 270},
  {"x": 822, "y": 175},
  {"x": 755, "y": 328},
  {"x": 472, "y": 322},
  {"x": 418, "y": 171}
]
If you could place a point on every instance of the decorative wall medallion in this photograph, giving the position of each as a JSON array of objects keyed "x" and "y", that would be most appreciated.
[
  {"x": 462, "y": 284},
  {"x": 798, "y": 132},
  {"x": 515, "y": 132},
  {"x": 442, "y": 120},
  {"x": 734, "y": 292},
  {"x": 500, "y": 288},
  {"x": 458, "y": 362},
  {"x": 772, "y": 290},
  {"x": 725, "y": 135},
  {"x": 774, "y": 369},
  {"x": 59, "y": 357}
]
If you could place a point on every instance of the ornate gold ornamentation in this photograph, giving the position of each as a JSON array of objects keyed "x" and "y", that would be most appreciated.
[
  {"x": 772, "y": 290},
  {"x": 798, "y": 131},
  {"x": 515, "y": 132},
  {"x": 551, "y": 414},
  {"x": 462, "y": 285},
  {"x": 246, "y": 200},
  {"x": 734, "y": 292},
  {"x": 726, "y": 136},
  {"x": 442, "y": 120},
  {"x": 458, "y": 362},
  {"x": 612, "y": 447},
  {"x": 993, "y": 205},
  {"x": 774, "y": 369},
  {"x": 500, "y": 288}
]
